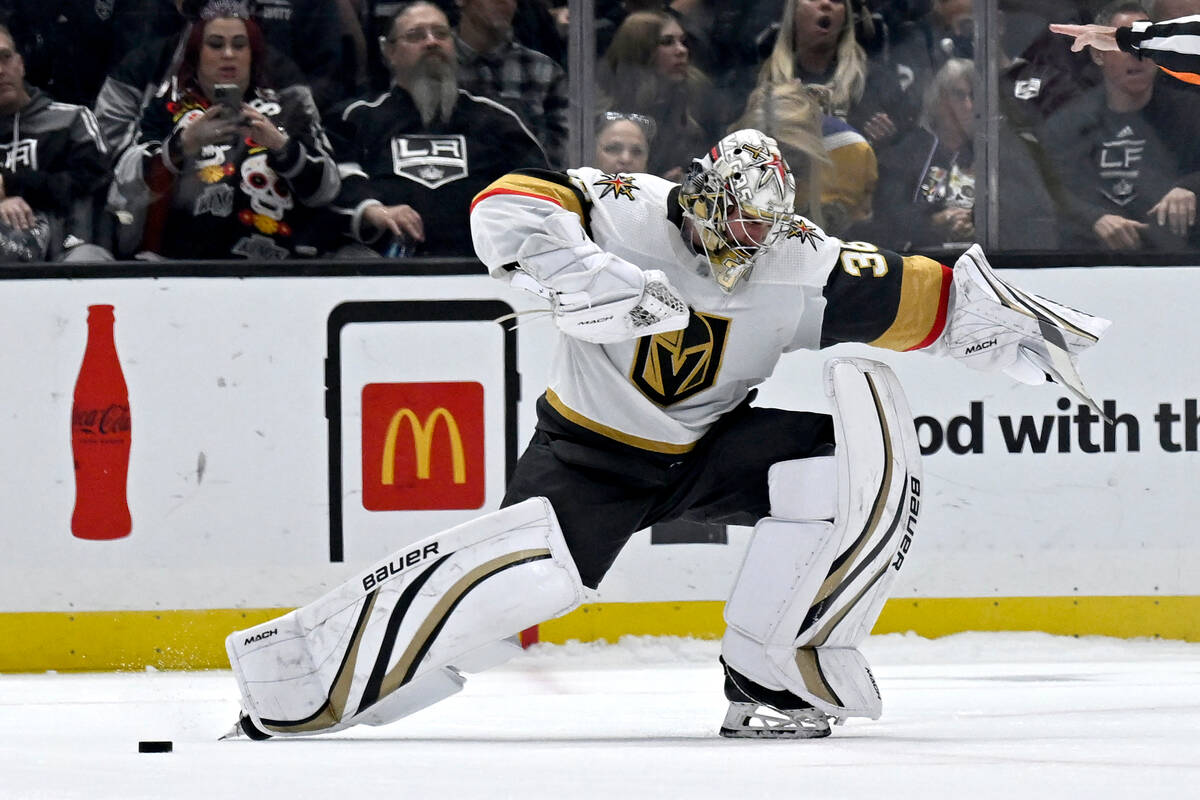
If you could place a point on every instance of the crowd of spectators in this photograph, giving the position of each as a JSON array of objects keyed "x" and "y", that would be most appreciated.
[{"x": 276, "y": 129}]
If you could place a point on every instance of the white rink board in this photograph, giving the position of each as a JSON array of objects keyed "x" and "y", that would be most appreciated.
[{"x": 234, "y": 369}]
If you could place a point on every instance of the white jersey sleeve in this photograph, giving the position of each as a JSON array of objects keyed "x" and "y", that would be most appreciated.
[{"x": 517, "y": 206}]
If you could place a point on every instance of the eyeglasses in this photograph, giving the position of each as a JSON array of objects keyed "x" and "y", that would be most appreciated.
[
  {"x": 648, "y": 125},
  {"x": 440, "y": 33}
]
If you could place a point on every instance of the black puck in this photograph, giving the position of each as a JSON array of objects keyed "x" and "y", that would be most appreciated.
[{"x": 155, "y": 747}]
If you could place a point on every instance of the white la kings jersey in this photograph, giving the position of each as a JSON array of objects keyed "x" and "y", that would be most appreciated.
[{"x": 663, "y": 392}]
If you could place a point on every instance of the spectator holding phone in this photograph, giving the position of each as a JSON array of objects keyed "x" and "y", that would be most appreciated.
[{"x": 225, "y": 167}]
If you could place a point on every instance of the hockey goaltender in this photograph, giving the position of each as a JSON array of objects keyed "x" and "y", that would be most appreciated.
[{"x": 672, "y": 302}]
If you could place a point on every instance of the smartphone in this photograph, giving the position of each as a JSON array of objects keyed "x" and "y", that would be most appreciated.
[{"x": 228, "y": 95}]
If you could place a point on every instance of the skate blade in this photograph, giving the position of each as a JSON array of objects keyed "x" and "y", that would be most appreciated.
[
  {"x": 245, "y": 728},
  {"x": 233, "y": 733},
  {"x": 774, "y": 733},
  {"x": 755, "y": 721}
]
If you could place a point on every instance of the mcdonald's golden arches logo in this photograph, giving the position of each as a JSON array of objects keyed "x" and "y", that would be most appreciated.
[{"x": 422, "y": 446}]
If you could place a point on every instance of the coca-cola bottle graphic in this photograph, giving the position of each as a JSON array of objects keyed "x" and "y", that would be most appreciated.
[{"x": 100, "y": 435}]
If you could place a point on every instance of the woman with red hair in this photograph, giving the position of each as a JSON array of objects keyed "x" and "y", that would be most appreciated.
[{"x": 224, "y": 166}]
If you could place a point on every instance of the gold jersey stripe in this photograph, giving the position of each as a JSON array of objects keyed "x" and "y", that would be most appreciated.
[
  {"x": 405, "y": 667},
  {"x": 536, "y": 187},
  {"x": 571, "y": 415},
  {"x": 334, "y": 708},
  {"x": 921, "y": 315}
]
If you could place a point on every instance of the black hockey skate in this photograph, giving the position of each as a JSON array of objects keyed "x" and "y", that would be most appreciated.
[{"x": 756, "y": 712}]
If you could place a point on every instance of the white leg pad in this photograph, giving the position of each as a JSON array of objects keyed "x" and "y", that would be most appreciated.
[
  {"x": 786, "y": 559},
  {"x": 809, "y": 590},
  {"x": 393, "y": 639}
]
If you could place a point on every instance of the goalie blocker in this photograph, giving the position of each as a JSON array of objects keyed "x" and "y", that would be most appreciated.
[{"x": 397, "y": 636}]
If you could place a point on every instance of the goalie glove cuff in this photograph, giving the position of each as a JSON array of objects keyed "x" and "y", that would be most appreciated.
[
  {"x": 596, "y": 296},
  {"x": 991, "y": 322},
  {"x": 656, "y": 308}
]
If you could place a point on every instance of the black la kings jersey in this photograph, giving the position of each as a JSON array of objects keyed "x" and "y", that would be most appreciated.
[
  {"x": 387, "y": 154},
  {"x": 663, "y": 392}
]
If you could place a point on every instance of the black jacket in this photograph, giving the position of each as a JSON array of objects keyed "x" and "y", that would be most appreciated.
[
  {"x": 1123, "y": 163},
  {"x": 387, "y": 155},
  {"x": 52, "y": 156},
  {"x": 237, "y": 200}
]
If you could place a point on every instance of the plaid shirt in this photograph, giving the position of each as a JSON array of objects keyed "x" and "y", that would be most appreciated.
[{"x": 530, "y": 83}]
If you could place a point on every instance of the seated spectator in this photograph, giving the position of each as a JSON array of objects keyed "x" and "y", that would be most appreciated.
[
  {"x": 492, "y": 64},
  {"x": 623, "y": 142},
  {"x": 1170, "y": 41},
  {"x": 927, "y": 183},
  {"x": 226, "y": 178},
  {"x": 927, "y": 193},
  {"x": 834, "y": 165},
  {"x": 945, "y": 31},
  {"x": 817, "y": 45},
  {"x": 1039, "y": 81},
  {"x": 54, "y": 164},
  {"x": 413, "y": 157},
  {"x": 1126, "y": 154},
  {"x": 303, "y": 48},
  {"x": 647, "y": 70}
]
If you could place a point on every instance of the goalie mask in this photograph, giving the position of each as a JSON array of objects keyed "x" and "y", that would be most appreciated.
[{"x": 739, "y": 199}]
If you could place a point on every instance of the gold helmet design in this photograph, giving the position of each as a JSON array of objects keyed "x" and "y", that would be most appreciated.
[{"x": 744, "y": 172}]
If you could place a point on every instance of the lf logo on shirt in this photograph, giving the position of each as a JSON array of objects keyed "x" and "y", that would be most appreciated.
[{"x": 21, "y": 153}]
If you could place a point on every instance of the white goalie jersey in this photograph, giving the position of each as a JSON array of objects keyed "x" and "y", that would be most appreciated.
[{"x": 662, "y": 392}]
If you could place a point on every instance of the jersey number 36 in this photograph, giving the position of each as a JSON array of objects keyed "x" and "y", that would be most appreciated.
[{"x": 860, "y": 257}]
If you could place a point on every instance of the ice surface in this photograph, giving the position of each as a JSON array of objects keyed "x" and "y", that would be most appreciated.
[{"x": 1011, "y": 716}]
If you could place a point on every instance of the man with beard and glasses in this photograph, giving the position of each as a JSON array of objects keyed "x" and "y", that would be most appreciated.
[{"x": 413, "y": 157}]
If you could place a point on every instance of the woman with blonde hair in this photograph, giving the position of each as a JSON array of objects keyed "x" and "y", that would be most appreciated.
[
  {"x": 647, "y": 70},
  {"x": 834, "y": 166},
  {"x": 817, "y": 45}
]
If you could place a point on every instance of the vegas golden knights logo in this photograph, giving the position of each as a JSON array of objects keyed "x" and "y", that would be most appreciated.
[{"x": 670, "y": 367}]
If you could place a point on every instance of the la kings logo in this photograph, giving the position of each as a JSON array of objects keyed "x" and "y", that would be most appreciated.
[
  {"x": 431, "y": 161},
  {"x": 18, "y": 154},
  {"x": 673, "y": 366}
]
